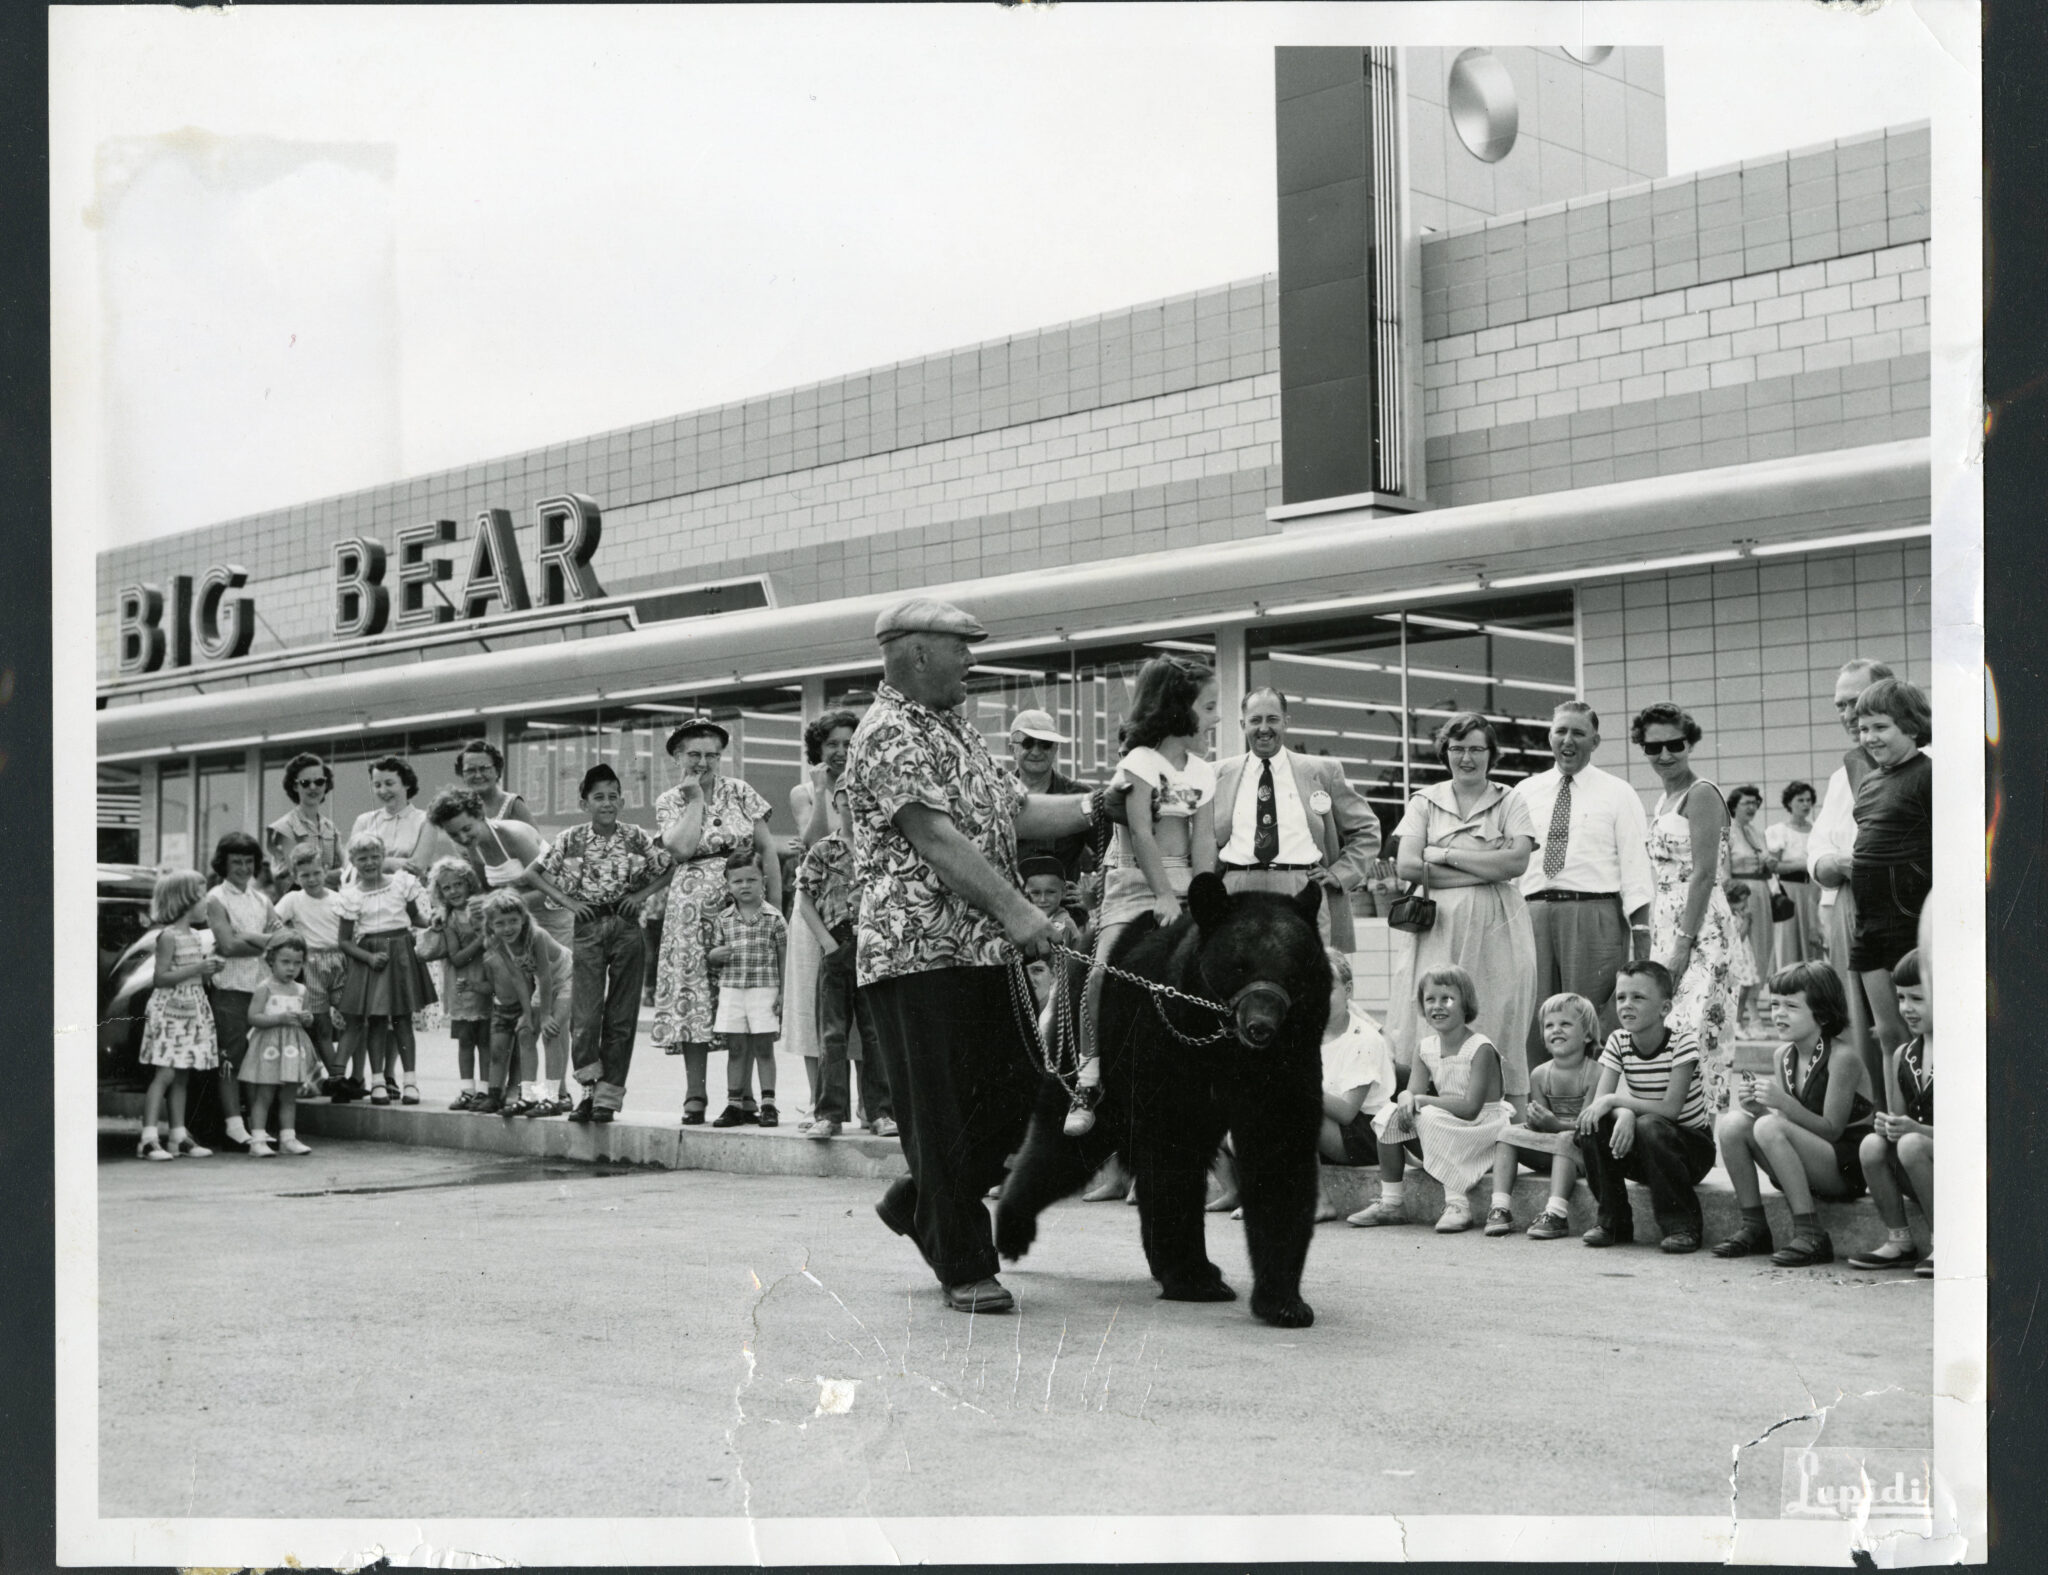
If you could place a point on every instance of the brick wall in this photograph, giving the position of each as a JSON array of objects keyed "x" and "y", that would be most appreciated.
[{"x": 1860, "y": 194}]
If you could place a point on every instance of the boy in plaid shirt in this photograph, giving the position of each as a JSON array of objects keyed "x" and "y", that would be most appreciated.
[
  {"x": 748, "y": 941},
  {"x": 826, "y": 901}
]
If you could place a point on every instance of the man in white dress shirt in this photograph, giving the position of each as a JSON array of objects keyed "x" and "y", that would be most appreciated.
[
  {"x": 1588, "y": 885},
  {"x": 1830, "y": 850},
  {"x": 1284, "y": 819}
]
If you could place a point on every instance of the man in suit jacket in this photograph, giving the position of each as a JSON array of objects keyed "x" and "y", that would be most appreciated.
[{"x": 1284, "y": 819}]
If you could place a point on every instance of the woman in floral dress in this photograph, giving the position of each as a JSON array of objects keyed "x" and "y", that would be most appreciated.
[
  {"x": 1692, "y": 928},
  {"x": 701, "y": 820}
]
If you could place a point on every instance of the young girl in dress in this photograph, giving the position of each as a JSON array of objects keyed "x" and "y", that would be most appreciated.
[
  {"x": 1452, "y": 1108},
  {"x": 314, "y": 910},
  {"x": 1169, "y": 838},
  {"x": 177, "y": 1026},
  {"x": 386, "y": 980},
  {"x": 456, "y": 937},
  {"x": 1548, "y": 1139},
  {"x": 1802, "y": 1126},
  {"x": 280, "y": 1050}
]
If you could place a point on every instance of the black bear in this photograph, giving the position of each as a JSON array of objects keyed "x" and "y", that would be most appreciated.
[{"x": 1166, "y": 1103}]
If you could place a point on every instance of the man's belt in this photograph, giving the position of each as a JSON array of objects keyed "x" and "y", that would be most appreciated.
[
  {"x": 1793, "y": 877},
  {"x": 1281, "y": 868},
  {"x": 1554, "y": 895}
]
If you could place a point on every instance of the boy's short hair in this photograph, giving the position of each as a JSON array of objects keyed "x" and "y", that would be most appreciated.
[
  {"x": 1906, "y": 704},
  {"x": 1340, "y": 965},
  {"x": 1581, "y": 1011},
  {"x": 1458, "y": 979},
  {"x": 286, "y": 940},
  {"x": 747, "y": 858},
  {"x": 362, "y": 840},
  {"x": 596, "y": 774},
  {"x": 308, "y": 853},
  {"x": 1906, "y": 971},
  {"x": 1651, "y": 969},
  {"x": 174, "y": 895},
  {"x": 1822, "y": 987}
]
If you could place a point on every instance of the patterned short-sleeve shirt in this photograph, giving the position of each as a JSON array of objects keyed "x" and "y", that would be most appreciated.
[
  {"x": 590, "y": 867},
  {"x": 906, "y": 753},
  {"x": 757, "y": 947},
  {"x": 826, "y": 877}
]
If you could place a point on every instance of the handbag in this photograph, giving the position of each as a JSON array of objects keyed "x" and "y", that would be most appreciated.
[
  {"x": 1782, "y": 905},
  {"x": 1414, "y": 911}
]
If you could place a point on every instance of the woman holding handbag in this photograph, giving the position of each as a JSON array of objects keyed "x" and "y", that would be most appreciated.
[
  {"x": 1463, "y": 845},
  {"x": 1796, "y": 905},
  {"x": 1751, "y": 864},
  {"x": 1692, "y": 929}
]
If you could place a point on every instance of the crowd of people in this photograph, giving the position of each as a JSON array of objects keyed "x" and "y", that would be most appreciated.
[{"x": 1577, "y": 982}]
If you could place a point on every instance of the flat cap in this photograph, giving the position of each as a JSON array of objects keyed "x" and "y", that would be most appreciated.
[{"x": 922, "y": 615}]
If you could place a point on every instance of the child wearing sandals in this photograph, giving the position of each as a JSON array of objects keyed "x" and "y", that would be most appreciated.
[
  {"x": 1898, "y": 1156},
  {"x": 386, "y": 981},
  {"x": 456, "y": 937},
  {"x": 177, "y": 1025},
  {"x": 280, "y": 1053},
  {"x": 314, "y": 910},
  {"x": 1804, "y": 1125},
  {"x": 1452, "y": 1110},
  {"x": 1169, "y": 836},
  {"x": 1547, "y": 1139}
]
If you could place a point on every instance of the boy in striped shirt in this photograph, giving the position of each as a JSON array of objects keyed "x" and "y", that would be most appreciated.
[{"x": 1647, "y": 1120}]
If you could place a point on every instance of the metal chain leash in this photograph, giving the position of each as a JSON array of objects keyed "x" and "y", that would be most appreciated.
[{"x": 1054, "y": 1055}]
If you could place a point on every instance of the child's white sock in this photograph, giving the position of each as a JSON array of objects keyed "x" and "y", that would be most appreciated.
[
  {"x": 1557, "y": 1206},
  {"x": 1502, "y": 1200},
  {"x": 149, "y": 1134},
  {"x": 469, "y": 1085},
  {"x": 1390, "y": 1191},
  {"x": 1901, "y": 1237},
  {"x": 237, "y": 1130}
]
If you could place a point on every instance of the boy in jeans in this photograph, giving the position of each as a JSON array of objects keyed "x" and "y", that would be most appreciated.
[
  {"x": 1647, "y": 1120},
  {"x": 748, "y": 941},
  {"x": 826, "y": 901}
]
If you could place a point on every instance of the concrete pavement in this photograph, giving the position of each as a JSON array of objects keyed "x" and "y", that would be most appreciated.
[{"x": 381, "y": 1330}]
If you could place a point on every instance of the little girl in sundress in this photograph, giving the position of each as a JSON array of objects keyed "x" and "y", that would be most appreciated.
[
  {"x": 1452, "y": 1109},
  {"x": 177, "y": 1025},
  {"x": 1170, "y": 836},
  {"x": 280, "y": 1054}
]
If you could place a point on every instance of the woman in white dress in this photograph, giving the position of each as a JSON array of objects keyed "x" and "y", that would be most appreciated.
[{"x": 1799, "y": 938}]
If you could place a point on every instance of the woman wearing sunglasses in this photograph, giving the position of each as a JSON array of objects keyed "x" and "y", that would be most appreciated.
[{"x": 1692, "y": 928}]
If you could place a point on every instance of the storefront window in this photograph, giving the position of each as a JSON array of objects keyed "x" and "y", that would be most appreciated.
[
  {"x": 1371, "y": 690},
  {"x": 547, "y": 755},
  {"x": 120, "y": 819},
  {"x": 174, "y": 814},
  {"x": 223, "y": 804}
]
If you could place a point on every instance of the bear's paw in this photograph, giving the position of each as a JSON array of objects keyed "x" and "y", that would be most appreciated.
[
  {"x": 1283, "y": 1312},
  {"x": 1209, "y": 1290}
]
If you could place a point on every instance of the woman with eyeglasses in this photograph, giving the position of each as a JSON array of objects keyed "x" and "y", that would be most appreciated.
[
  {"x": 307, "y": 781},
  {"x": 1468, "y": 840},
  {"x": 1692, "y": 928}
]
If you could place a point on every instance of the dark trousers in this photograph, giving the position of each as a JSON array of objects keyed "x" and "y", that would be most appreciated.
[
  {"x": 1667, "y": 1158},
  {"x": 963, "y": 1084},
  {"x": 604, "y": 1008},
  {"x": 1579, "y": 945},
  {"x": 840, "y": 1006}
]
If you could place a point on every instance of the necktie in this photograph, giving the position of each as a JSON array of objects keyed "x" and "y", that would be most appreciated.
[
  {"x": 1560, "y": 831},
  {"x": 1266, "y": 839}
]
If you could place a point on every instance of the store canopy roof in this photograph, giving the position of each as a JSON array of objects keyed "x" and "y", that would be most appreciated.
[{"x": 1553, "y": 538}]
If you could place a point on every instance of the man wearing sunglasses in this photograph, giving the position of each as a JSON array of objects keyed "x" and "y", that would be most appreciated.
[{"x": 1035, "y": 745}]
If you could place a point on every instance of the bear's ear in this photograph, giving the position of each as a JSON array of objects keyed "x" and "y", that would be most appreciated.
[
  {"x": 1207, "y": 900},
  {"x": 1309, "y": 901}
]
